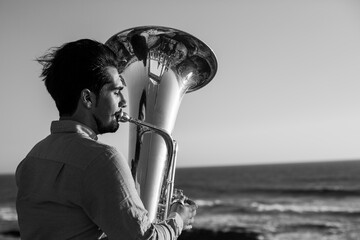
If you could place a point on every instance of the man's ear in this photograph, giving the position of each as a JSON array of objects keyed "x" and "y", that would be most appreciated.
[{"x": 87, "y": 98}]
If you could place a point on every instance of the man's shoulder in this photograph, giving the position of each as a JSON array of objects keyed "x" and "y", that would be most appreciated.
[
  {"x": 97, "y": 147},
  {"x": 94, "y": 150},
  {"x": 104, "y": 158},
  {"x": 75, "y": 150}
]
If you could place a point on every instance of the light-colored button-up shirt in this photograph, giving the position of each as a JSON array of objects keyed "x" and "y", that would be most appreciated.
[{"x": 70, "y": 186}]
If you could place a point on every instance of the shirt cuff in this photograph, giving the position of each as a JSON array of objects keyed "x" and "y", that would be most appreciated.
[{"x": 178, "y": 221}]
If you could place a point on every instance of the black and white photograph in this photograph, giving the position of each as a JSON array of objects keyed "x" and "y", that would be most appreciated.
[{"x": 165, "y": 120}]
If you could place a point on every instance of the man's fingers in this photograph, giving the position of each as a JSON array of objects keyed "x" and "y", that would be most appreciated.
[
  {"x": 188, "y": 227},
  {"x": 191, "y": 202}
]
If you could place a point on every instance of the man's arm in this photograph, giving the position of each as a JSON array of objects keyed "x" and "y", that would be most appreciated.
[{"x": 111, "y": 201}]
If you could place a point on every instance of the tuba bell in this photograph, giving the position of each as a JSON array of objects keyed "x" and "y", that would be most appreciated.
[{"x": 159, "y": 65}]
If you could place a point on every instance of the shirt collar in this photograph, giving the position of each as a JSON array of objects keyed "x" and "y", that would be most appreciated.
[{"x": 71, "y": 126}]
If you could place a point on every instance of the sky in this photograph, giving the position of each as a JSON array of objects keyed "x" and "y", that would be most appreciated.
[{"x": 286, "y": 89}]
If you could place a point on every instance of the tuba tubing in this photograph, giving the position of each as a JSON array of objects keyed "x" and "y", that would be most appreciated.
[
  {"x": 171, "y": 144},
  {"x": 163, "y": 210}
]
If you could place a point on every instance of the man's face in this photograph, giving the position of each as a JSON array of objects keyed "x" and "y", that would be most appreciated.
[{"x": 109, "y": 103}]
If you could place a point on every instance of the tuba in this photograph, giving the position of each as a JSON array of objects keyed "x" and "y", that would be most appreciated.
[{"x": 159, "y": 65}]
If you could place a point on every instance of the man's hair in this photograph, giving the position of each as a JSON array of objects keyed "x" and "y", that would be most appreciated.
[{"x": 75, "y": 66}]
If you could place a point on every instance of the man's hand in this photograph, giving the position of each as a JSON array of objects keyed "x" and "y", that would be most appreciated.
[{"x": 187, "y": 211}]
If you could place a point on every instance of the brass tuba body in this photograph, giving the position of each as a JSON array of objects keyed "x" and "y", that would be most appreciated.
[{"x": 159, "y": 65}]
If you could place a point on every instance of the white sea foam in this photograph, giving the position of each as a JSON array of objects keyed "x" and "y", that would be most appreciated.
[
  {"x": 261, "y": 207},
  {"x": 208, "y": 203},
  {"x": 8, "y": 214}
]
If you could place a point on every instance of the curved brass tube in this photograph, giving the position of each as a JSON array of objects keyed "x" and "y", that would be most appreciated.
[{"x": 171, "y": 144}]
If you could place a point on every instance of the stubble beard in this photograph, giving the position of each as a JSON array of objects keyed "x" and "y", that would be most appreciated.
[{"x": 109, "y": 128}]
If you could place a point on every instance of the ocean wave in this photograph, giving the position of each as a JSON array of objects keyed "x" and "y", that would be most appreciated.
[
  {"x": 333, "y": 191},
  {"x": 208, "y": 203},
  {"x": 8, "y": 214},
  {"x": 296, "y": 208},
  {"x": 306, "y": 191}
]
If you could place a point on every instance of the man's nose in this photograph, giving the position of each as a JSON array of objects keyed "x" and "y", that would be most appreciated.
[{"x": 122, "y": 102}]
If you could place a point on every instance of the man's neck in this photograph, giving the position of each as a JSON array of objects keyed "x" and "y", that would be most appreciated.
[{"x": 79, "y": 120}]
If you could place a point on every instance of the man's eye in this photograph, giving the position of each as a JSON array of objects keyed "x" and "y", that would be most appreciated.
[{"x": 118, "y": 92}]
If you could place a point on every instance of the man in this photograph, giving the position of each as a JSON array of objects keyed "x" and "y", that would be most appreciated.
[{"x": 70, "y": 186}]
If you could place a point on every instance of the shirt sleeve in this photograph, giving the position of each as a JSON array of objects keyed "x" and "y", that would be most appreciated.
[{"x": 111, "y": 201}]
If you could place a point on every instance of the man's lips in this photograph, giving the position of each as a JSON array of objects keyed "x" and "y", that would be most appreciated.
[{"x": 118, "y": 115}]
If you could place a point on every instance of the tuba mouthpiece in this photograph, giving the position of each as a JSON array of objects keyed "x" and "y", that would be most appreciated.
[{"x": 124, "y": 117}]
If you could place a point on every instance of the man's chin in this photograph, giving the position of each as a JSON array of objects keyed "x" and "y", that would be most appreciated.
[
  {"x": 109, "y": 129},
  {"x": 115, "y": 128}
]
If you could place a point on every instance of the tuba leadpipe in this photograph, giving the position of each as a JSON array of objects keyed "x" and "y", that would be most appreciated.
[
  {"x": 171, "y": 144},
  {"x": 159, "y": 65}
]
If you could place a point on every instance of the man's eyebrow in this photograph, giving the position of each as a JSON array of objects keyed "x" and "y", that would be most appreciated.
[
  {"x": 122, "y": 81},
  {"x": 119, "y": 87}
]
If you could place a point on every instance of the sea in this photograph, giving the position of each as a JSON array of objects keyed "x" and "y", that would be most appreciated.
[{"x": 298, "y": 201}]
